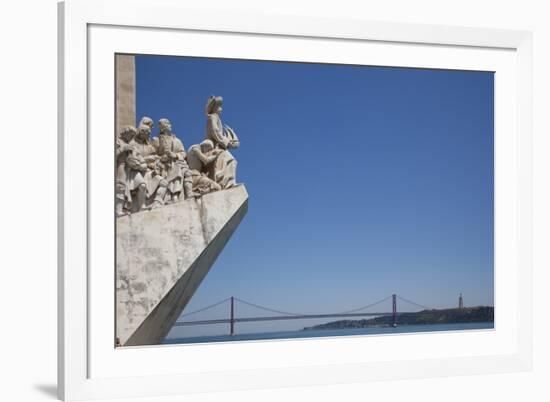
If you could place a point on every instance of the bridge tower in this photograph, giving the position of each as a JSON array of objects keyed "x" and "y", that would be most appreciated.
[
  {"x": 394, "y": 309},
  {"x": 460, "y": 301},
  {"x": 232, "y": 318}
]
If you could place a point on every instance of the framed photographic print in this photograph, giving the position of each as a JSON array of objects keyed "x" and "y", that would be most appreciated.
[{"x": 258, "y": 201}]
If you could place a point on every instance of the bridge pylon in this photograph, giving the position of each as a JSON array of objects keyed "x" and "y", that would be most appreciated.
[
  {"x": 394, "y": 309},
  {"x": 232, "y": 317}
]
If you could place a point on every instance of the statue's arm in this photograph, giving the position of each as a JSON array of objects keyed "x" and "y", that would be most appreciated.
[
  {"x": 123, "y": 152},
  {"x": 216, "y": 132},
  {"x": 164, "y": 149},
  {"x": 155, "y": 144},
  {"x": 205, "y": 159},
  {"x": 122, "y": 147},
  {"x": 137, "y": 163},
  {"x": 119, "y": 151},
  {"x": 179, "y": 150}
]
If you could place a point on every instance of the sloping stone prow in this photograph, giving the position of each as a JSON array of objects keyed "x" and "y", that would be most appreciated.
[{"x": 158, "y": 323}]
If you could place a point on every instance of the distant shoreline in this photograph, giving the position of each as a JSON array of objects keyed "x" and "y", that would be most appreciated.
[{"x": 424, "y": 317}]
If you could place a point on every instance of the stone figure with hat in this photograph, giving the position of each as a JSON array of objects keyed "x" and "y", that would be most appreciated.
[{"x": 224, "y": 138}]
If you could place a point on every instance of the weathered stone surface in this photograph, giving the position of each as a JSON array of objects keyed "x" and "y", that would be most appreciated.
[
  {"x": 125, "y": 91},
  {"x": 162, "y": 257}
]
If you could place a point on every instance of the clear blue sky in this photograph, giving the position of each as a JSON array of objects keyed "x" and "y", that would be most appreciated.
[{"x": 363, "y": 181}]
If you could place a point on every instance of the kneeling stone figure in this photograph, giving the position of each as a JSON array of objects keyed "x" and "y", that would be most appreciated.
[{"x": 200, "y": 158}]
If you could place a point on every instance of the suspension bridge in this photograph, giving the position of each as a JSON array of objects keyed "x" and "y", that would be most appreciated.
[{"x": 285, "y": 315}]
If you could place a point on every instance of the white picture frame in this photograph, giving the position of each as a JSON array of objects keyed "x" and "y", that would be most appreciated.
[{"x": 90, "y": 369}]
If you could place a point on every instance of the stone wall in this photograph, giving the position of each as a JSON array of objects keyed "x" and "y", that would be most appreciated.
[{"x": 162, "y": 257}]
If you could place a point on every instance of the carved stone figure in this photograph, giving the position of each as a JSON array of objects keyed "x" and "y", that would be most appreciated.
[
  {"x": 153, "y": 171},
  {"x": 224, "y": 138},
  {"x": 155, "y": 184},
  {"x": 132, "y": 170},
  {"x": 136, "y": 171},
  {"x": 147, "y": 121},
  {"x": 201, "y": 159},
  {"x": 172, "y": 156},
  {"x": 123, "y": 150}
]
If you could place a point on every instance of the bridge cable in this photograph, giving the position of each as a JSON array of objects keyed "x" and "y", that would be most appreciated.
[
  {"x": 286, "y": 312},
  {"x": 413, "y": 303},
  {"x": 297, "y": 314},
  {"x": 205, "y": 308},
  {"x": 267, "y": 308},
  {"x": 365, "y": 307}
]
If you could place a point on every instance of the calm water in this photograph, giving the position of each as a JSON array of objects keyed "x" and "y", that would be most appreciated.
[{"x": 332, "y": 332}]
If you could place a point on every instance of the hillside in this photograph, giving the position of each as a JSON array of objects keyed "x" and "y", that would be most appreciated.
[{"x": 445, "y": 316}]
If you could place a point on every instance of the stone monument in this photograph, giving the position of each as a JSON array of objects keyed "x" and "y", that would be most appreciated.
[
  {"x": 125, "y": 77},
  {"x": 175, "y": 213}
]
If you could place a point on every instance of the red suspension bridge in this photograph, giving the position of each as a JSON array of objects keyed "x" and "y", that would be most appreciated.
[{"x": 285, "y": 315}]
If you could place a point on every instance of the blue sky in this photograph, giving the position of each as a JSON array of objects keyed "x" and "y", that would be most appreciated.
[{"x": 363, "y": 182}]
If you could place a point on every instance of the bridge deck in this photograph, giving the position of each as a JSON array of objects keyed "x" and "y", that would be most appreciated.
[{"x": 277, "y": 318}]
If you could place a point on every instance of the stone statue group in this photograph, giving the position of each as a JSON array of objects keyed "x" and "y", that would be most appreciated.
[{"x": 154, "y": 171}]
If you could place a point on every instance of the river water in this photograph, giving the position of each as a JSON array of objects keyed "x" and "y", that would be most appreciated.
[{"x": 333, "y": 332}]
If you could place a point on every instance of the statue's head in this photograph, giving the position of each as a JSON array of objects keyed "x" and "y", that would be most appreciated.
[
  {"x": 127, "y": 133},
  {"x": 143, "y": 132},
  {"x": 165, "y": 126},
  {"x": 207, "y": 146},
  {"x": 213, "y": 104},
  {"x": 147, "y": 121}
]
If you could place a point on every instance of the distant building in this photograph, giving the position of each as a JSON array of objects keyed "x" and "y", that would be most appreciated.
[{"x": 460, "y": 301}]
